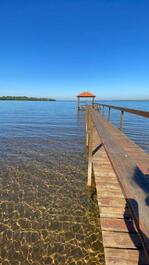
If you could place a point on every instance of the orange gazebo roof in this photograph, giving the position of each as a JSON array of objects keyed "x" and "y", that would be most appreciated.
[{"x": 86, "y": 95}]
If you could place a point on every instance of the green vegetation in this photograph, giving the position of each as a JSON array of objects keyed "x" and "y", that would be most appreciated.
[{"x": 25, "y": 98}]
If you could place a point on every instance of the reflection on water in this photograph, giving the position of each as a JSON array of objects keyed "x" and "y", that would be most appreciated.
[{"x": 47, "y": 215}]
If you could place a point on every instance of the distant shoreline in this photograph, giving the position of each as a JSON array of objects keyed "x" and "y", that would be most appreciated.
[
  {"x": 26, "y": 98},
  {"x": 122, "y": 99}
]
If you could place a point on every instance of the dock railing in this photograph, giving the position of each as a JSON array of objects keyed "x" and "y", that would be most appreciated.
[
  {"x": 122, "y": 110},
  {"x": 126, "y": 165}
]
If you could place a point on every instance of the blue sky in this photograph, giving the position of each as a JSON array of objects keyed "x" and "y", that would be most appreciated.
[{"x": 58, "y": 48}]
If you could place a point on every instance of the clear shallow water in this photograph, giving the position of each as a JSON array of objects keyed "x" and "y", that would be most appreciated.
[{"x": 47, "y": 215}]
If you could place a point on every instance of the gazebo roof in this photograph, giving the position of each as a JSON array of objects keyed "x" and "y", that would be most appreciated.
[{"x": 86, "y": 95}]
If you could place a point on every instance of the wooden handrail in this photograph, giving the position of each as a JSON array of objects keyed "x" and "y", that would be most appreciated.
[
  {"x": 133, "y": 182},
  {"x": 133, "y": 111},
  {"x": 141, "y": 113}
]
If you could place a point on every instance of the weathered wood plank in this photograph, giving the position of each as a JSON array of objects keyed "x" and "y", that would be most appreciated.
[
  {"x": 103, "y": 170},
  {"x": 102, "y": 167},
  {"x": 114, "y": 212},
  {"x": 121, "y": 240},
  {"x": 110, "y": 181},
  {"x": 109, "y": 178},
  {"x": 107, "y": 193},
  {"x": 110, "y": 186},
  {"x": 117, "y": 225},
  {"x": 140, "y": 157},
  {"x": 114, "y": 256},
  {"x": 107, "y": 175},
  {"x": 112, "y": 202}
]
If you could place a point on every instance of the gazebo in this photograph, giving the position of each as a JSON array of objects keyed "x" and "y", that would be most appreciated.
[{"x": 85, "y": 95}]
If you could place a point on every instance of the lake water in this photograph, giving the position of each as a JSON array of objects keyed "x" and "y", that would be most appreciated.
[{"x": 47, "y": 215}]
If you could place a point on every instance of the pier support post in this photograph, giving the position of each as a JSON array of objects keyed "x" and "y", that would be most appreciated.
[
  {"x": 102, "y": 111},
  {"x": 93, "y": 101},
  {"x": 90, "y": 157},
  {"x": 109, "y": 112},
  {"x": 121, "y": 120},
  {"x": 99, "y": 108},
  {"x": 78, "y": 103},
  {"x": 87, "y": 127}
]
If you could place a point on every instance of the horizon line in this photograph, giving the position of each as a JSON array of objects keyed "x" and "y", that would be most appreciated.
[{"x": 73, "y": 99}]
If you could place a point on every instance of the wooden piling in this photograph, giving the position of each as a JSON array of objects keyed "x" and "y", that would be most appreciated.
[
  {"x": 90, "y": 162},
  {"x": 121, "y": 119}
]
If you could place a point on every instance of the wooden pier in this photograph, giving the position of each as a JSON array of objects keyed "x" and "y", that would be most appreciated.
[{"x": 119, "y": 169}]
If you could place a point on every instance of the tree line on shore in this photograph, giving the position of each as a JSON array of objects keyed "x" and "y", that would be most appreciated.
[{"x": 24, "y": 98}]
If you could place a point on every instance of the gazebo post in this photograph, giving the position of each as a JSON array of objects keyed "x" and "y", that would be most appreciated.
[
  {"x": 93, "y": 100},
  {"x": 78, "y": 103}
]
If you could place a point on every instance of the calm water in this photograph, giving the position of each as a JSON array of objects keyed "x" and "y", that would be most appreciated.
[{"x": 47, "y": 216}]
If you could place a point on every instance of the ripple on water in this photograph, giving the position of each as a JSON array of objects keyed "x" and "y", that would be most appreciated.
[{"x": 47, "y": 215}]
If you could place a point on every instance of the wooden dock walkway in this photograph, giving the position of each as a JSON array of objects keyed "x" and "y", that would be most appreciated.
[{"x": 120, "y": 171}]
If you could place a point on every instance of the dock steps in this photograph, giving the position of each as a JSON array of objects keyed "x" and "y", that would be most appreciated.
[{"x": 121, "y": 242}]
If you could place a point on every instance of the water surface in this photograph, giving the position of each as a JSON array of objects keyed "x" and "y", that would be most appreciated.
[{"x": 47, "y": 215}]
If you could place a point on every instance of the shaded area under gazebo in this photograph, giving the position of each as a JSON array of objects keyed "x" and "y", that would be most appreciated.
[{"x": 85, "y": 95}]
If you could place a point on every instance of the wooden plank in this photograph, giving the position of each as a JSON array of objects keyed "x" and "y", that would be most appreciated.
[
  {"x": 103, "y": 170},
  {"x": 112, "y": 202},
  {"x": 117, "y": 225},
  {"x": 114, "y": 256},
  {"x": 103, "y": 180},
  {"x": 121, "y": 240},
  {"x": 134, "y": 151},
  {"x": 101, "y": 166},
  {"x": 105, "y": 189},
  {"x": 107, "y": 193},
  {"x": 107, "y": 177},
  {"x": 112, "y": 190},
  {"x": 101, "y": 163},
  {"x": 114, "y": 212},
  {"x": 110, "y": 186}
]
